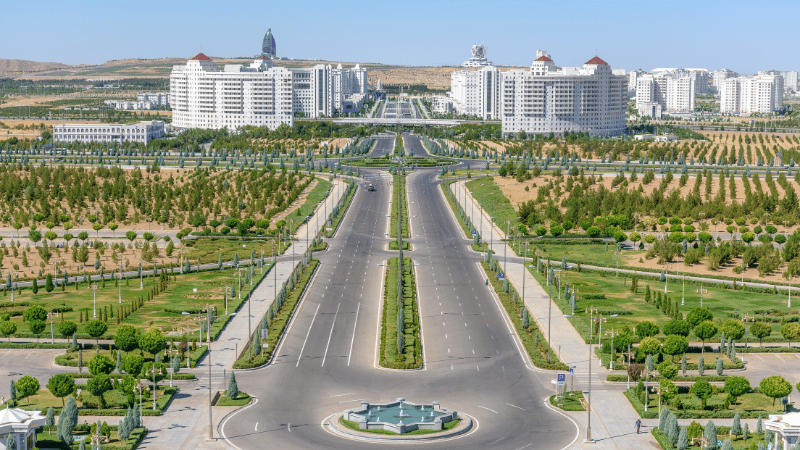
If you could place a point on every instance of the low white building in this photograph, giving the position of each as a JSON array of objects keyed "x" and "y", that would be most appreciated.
[
  {"x": 157, "y": 98},
  {"x": 141, "y": 132},
  {"x": 21, "y": 426},
  {"x": 127, "y": 105},
  {"x": 785, "y": 428}
]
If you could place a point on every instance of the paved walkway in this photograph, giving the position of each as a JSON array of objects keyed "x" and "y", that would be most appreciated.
[{"x": 186, "y": 423}]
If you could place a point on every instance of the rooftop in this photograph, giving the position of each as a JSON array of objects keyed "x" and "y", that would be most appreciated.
[
  {"x": 543, "y": 58},
  {"x": 201, "y": 57},
  {"x": 596, "y": 61}
]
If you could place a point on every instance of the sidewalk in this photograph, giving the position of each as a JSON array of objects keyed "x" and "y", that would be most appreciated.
[
  {"x": 185, "y": 424},
  {"x": 612, "y": 415}
]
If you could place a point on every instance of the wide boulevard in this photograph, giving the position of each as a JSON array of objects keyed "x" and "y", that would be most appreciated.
[{"x": 327, "y": 361}]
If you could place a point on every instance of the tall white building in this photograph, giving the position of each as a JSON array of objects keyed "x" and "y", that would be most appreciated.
[
  {"x": 789, "y": 80},
  {"x": 668, "y": 92},
  {"x": 722, "y": 75},
  {"x": 548, "y": 99},
  {"x": 476, "y": 92},
  {"x": 203, "y": 96},
  {"x": 762, "y": 93}
]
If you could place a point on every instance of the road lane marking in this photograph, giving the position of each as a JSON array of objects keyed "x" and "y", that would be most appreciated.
[
  {"x": 256, "y": 426},
  {"x": 354, "y": 334},
  {"x": 341, "y": 395},
  {"x": 515, "y": 406},
  {"x": 290, "y": 427},
  {"x": 479, "y": 406},
  {"x": 306, "y": 339}
]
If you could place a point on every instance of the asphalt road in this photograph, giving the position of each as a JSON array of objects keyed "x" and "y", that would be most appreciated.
[{"x": 327, "y": 361}]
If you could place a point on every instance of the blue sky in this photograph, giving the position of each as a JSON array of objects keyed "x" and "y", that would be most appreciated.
[{"x": 629, "y": 34}]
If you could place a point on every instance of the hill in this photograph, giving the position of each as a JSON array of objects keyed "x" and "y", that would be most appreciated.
[{"x": 14, "y": 67}]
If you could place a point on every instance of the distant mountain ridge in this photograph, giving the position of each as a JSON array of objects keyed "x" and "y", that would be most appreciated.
[{"x": 19, "y": 66}]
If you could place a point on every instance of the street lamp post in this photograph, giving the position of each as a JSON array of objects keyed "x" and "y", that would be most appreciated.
[
  {"x": 789, "y": 305},
  {"x": 94, "y": 292}
]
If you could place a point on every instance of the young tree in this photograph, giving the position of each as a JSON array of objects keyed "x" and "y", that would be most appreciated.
[
  {"x": 101, "y": 364},
  {"x": 683, "y": 439},
  {"x": 61, "y": 385},
  {"x": 702, "y": 390},
  {"x": 733, "y": 329},
  {"x": 775, "y": 387},
  {"x": 127, "y": 338},
  {"x": 37, "y": 327},
  {"x": 50, "y": 419},
  {"x": 672, "y": 428},
  {"x": 8, "y": 329},
  {"x": 96, "y": 329},
  {"x": 720, "y": 366},
  {"x": 760, "y": 330},
  {"x": 98, "y": 385},
  {"x": 650, "y": 346},
  {"x": 67, "y": 328},
  {"x": 132, "y": 364},
  {"x": 705, "y": 331},
  {"x": 233, "y": 388},
  {"x": 710, "y": 433},
  {"x": 27, "y": 386},
  {"x": 675, "y": 345},
  {"x": 152, "y": 341},
  {"x": 737, "y": 386},
  {"x": 699, "y": 315},
  {"x": 48, "y": 283},
  {"x": 67, "y": 421},
  {"x": 736, "y": 426},
  {"x": 646, "y": 329},
  {"x": 790, "y": 331},
  {"x": 677, "y": 327}
]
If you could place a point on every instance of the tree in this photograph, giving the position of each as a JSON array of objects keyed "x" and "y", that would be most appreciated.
[
  {"x": 96, "y": 329},
  {"x": 737, "y": 386},
  {"x": 683, "y": 439},
  {"x": 775, "y": 387},
  {"x": 733, "y": 329},
  {"x": 699, "y": 315},
  {"x": 760, "y": 330},
  {"x": 650, "y": 346},
  {"x": 790, "y": 331},
  {"x": 130, "y": 235},
  {"x": 702, "y": 390},
  {"x": 727, "y": 445},
  {"x": 26, "y": 386},
  {"x": 48, "y": 283},
  {"x": 233, "y": 388},
  {"x": 646, "y": 329},
  {"x": 67, "y": 421},
  {"x": 101, "y": 364},
  {"x": 35, "y": 312},
  {"x": 127, "y": 338},
  {"x": 98, "y": 385},
  {"x": 705, "y": 331},
  {"x": 61, "y": 385},
  {"x": 672, "y": 428},
  {"x": 37, "y": 327},
  {"x": 720, "y": 366},
  {"x": 132, "y": 364},
  {"x": 67, "y": 328},
  {"x": 736, "y": 426},
  {"x": 50, "y": 419},
  {"x": 556, "y": 230},
  {"x": 152, "y": 341},
  {"x": 8, "y": 329},
  {"x": 667, "y": 370},
  {"x": 675, "y": 345},
  {"x": 113, "y": 227}
]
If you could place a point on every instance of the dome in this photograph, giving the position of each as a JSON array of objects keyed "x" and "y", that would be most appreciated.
[{"x": 268, "y": 48}]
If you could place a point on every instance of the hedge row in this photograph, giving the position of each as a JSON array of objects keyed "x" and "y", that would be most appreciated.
[
  {"x": 652, "y": 413},
  {"x": 389, "y": 352},
  {"x": 617, "y": 377}
]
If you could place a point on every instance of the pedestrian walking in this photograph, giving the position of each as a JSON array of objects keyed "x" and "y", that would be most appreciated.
[{"x": 638, "y": 425}]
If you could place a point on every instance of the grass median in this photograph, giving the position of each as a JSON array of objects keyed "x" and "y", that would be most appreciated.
[
  {"x": 399, "y": 201},
  {"x": 411, "y": 355}
]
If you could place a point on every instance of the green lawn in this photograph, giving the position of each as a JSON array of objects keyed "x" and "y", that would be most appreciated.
[
  {"x": 208, "y": 249},
  {"x": 241, "y": 400},
  {"x": 570, "y": 402},
  {"x": 191, "y": 293},
  {"x": 44, "y": 439},
  {"x": 316, "y": 195},
  {"x": 494, "y": 202},
  {"x": 632, "y": 308},
  {"x": 399, "y": 200},
  {"x": 114, "y": 399}
]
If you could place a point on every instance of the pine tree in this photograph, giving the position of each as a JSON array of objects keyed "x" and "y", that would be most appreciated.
[
  {"x": 672, "y": 428},
  {"x": 233, "y": 388},
  {"x": 50, "y": 420},
  {"x": 662, "y": 420},
  {"x": 759, "y": 426},
  {"x": 683, "y": 439},
  {"x": 67, "y": 420},
  {"x": 136, "y": 416},
  {"x": 719, "y": 367},
  {"x": 710, "y": 433},
  {"x": 736, "y": 427},
  {"x": 525, "y": 318}
]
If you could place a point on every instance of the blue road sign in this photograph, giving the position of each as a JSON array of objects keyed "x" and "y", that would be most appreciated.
[
  {"x": 501, "y": 276},
  {"x": 562, "y": 377},
  {"x": 572, "y": 370},
  {"x": 474, "y": 233}
]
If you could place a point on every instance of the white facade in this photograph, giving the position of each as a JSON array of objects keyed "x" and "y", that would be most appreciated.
[
  {"x": 476, "y": 92},
  {"x": 142, "y": 132},
  {"x": 670, "y": 93},
  {"x": 785, "y": 429},
  {"x": 20, "y": 426},
  {"x": 789, "y": 80},
  {"x": 158, "y": 98},
  {"x": 131, "y": 105},
  {"x": 202, "y": 96},
  {"x": 547, "y": 99},
  {"x": 762, "y": 93}
]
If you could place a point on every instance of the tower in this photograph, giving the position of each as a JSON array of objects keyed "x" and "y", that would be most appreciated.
[{"x": 268, "y": 48}]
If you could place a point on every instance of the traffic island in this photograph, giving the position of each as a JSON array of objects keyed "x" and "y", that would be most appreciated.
[{"x": 400, "y": 421}]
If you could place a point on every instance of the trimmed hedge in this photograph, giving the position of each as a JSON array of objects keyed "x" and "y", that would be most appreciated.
[
  {"x": 661, "y": 438},
  {"x": 388, "y": 348},
  {"x": 620, "y": 378},
  {"x": 652, "y": 413}
]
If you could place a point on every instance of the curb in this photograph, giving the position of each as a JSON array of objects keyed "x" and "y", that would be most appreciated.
[{"x": 465, "y": 426}]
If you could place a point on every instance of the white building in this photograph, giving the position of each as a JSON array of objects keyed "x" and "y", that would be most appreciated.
[
  {"x": 478, "y": 58},
  {"x": 140, "y": 105},
  {"x": 158, "y": 98},
  {"x": 20, "y": 426},
  {"x": 142, "y": 132},
  {"x": 722, "y": 75},
  {"x": 789, "y": 80},
  {"x": 656, "y": 93},
  {"x": 762, "y": 93},
  {"x": 548, "y": 99},
  {"x": 203, "y": 96},
  {"x": 785, "y": 428},
  {"x": 476, "y": 92}
]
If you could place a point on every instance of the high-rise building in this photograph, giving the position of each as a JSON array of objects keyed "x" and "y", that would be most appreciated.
[
  {"x": 789, "y": 80},
  {"x": 722, "y": 75},
  {"x": 762, "y": 93},
  {"x": 476, "y": 92},
  {"x": 202, "y": 96},
  {"x": 670, "y": 93},
  {"x": 268, "y": 48},
  {"x": 548, "y": 99}
]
